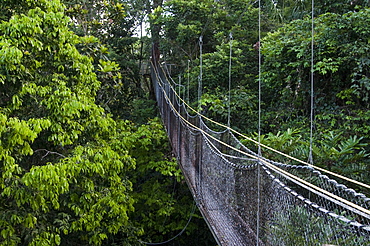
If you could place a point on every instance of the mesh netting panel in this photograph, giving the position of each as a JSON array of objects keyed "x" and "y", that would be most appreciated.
[
  {"x": 221, "y": 187},
  {"x": 296, "y": 220},
  {"x": 247, "y": 199}
]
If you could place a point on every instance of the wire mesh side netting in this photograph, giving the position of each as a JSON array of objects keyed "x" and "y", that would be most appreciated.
[
  {"x": 300, "y": 221},
  {"x": 246, "y": 200}
]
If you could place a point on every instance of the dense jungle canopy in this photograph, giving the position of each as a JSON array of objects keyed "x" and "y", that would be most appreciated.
[{"x": 84, "y": 158}]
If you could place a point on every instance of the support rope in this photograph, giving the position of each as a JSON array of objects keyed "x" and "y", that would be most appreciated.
[
  {"x": 188, "y": 87},
  {"x": 179, "y": 88},
  {"x": 229, "y": 99},
  {"x": 310, "y": 156},
  {"x": 259, "y": 122},
  {"x": 200, "y": 72}
]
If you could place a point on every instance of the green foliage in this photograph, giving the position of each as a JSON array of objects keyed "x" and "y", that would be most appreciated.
[
  {"x": 342, "y": 155},
  {"x": 141, "y": 110},
  {"x": 242, "y": 107},
  {"x": 121, "y": 93},
  {"x": 115, "y": 51},
  {"x": 341, "y": 73},
  {"x": 151, "y": 138},
  {"x": 285, "y": 11},
  {"x": 72, "y": 174},
  {"x": 332, "y": 150},
  {"x": 67, "y": 167},
  {"x": 63, "y": 167},
  {"x": 162, "y": 200},
  {"x": 185, "y": 21},
  {"x": 291, "y": 142},
  {"x": 94, "y": 17},
  {"x": 286, "y": 141}
]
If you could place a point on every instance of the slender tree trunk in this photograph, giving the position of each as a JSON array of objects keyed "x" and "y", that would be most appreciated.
[{"x": 155, "y": 32}]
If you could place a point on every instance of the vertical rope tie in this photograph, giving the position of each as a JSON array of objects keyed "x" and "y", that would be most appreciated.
[
  {"x": 259, "y": 123},
  {"x": 178, "y": 99},
  {"x": 229, "y": 99},
  {"x": 199, "y": 110},
  {"x": 200, "y": 71},
  {"x": 188, "y": 87},
  {"x": 310, "y": 156},
  {"x": 259, "y": 77},
  {"x": 179, "y": 133}
]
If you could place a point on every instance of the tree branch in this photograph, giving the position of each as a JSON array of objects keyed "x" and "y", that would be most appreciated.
[{"x": 49, "y": 152}]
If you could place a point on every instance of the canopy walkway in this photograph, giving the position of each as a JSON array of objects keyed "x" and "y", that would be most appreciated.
[{"x": 249, "y": 200}]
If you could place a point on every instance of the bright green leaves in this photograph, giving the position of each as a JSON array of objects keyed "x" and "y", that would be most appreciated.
[
  {"x": 156, "y": 17},
  {"x": 98, "y": 191},
  {"x": 89, "y": 183},
  {"x": 50, "y": 182},
  {"x": 63, "y": 166},
  {"x": 30, "y": 221},
  {"x": 45, "y": 49},
  {"x": 108, "y": 66},
  {"x": 151, "y": 138},
  {"x": 45, "y": 239},
  {"x": 64, "y": 162},
  {"x": 10, "y": 57},
  {"x": 20, "y": 133},
  {"x": 15, "y": 139},
  {"x": 327, "y": 65},
  {"x": 23, "y": 26},
  {"x": 158, "y": 206}
]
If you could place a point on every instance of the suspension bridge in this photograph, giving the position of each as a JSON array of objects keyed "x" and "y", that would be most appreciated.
[{"x": 249, "y": 200}]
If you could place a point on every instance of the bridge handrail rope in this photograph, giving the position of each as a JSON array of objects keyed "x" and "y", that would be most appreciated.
[
  {"x": 312, "y": 204},
  {"x": 270, "y": 148},
  {"x": 312, "y": 170},
  {"x": 223, "y": 156},
  {"x": 317, "y": 190},
  {"x": 295, "y": 194}
]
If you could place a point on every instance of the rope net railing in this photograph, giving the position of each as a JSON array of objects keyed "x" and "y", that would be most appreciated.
[{"x": 294, "y": 203}]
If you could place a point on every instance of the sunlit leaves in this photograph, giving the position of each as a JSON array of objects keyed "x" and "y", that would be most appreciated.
[{"x": 62, "y": 164}]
